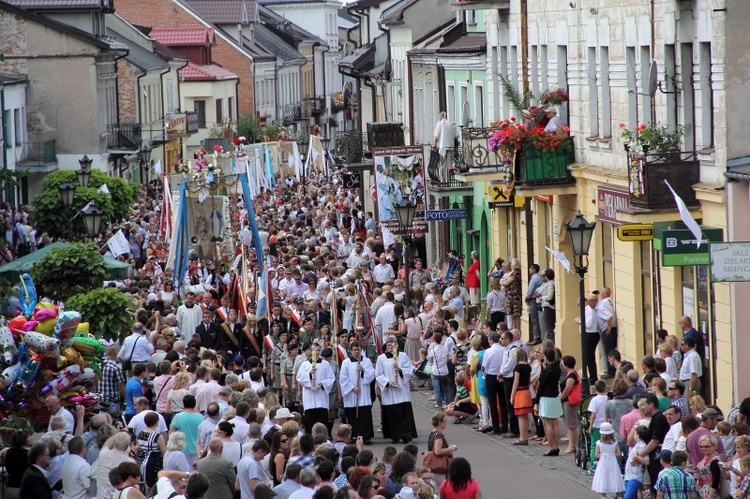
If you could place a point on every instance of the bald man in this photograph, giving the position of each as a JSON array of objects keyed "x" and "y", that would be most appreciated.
[
  {"x": 219, "y": 471},
  {"x": 592, "y": 337},
  {"x": 56, "y": 409}
]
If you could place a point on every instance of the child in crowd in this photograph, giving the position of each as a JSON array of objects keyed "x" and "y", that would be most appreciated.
[
  {"x": 733, "y": 471},
  {"x": 597, "y": 417},
  {"x": 461, "y": 408},
  {"x": 743, "y": 491},
  {"x": 635, "y": 465},
  {"x": 607, "y": 478},
  {"x": 724, "y": 431}
]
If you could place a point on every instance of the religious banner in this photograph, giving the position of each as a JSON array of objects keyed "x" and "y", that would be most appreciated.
[
  {"x": 399, "y": 175},
  {"x": 289, "y": 158},
  {"x": 209, "y": 226}
]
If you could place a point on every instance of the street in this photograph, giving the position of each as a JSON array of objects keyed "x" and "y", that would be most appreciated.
[{"x": 501, "y": 469}]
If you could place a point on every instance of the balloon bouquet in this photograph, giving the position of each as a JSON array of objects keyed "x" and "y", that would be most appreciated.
[{"x": 46, "y": 351}]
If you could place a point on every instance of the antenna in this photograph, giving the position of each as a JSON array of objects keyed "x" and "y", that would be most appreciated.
[{"x": 653, "y": 74}]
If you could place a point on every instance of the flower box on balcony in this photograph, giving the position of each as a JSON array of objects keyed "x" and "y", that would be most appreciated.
[
  {"x": 539, "y": 167},
  {"x": 647, "y": 172}
]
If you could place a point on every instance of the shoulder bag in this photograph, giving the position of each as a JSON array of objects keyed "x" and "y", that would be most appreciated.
[
  {"x": 437, "y": 464},
  {"x": 127, "y": 365},
  {"x": 574, "y": 397}
]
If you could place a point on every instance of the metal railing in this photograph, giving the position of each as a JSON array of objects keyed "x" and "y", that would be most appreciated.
[
  {"x": 124, "y": 137},
  {"x": 292, "y": 112},
  {"x": 351, "y": 147},
  {"x": 38, "y": 153},
  {"x": 442, "y": 172}
]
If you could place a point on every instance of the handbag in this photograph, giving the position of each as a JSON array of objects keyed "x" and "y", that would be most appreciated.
[
  {"x": 437, "y": 464},
  {"x": 574, "y": 397}
]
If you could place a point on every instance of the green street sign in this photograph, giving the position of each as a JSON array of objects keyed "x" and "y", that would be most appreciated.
[{"x": 678, "y": 247}]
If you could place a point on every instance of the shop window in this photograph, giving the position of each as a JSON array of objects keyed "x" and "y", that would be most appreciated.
[
  {"x": 647, "y": 323},
  {"x": 593, "y": 94},
  {"x": 608, "y": 275}
]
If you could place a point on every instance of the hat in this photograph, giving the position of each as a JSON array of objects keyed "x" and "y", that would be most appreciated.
[
  {"x": 327, "y": 352},
  {"x": 711, "y": 413},
  {"x": 239, "y": 360},
  {"x": 606, "y": 429},
  {"x": 666, "y": 455},
  {"x": 283, "y": 413}
]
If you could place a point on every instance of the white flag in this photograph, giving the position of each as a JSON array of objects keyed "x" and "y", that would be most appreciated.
[
  {"x": 686, "y": 217},
  {"x": 88, "y": 205},
  {"x": 560, "y": 257},
  {"x": 388, "y": 238},
  {"x": 103, "y": 189},
  {"x": 118, "y": 244},
  {"x": 157, "y": 167}
]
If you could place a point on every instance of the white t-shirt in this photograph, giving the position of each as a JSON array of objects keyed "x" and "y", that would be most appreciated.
[
  {"x": 597, "y": 406},
  {"x": 634, "y": 471}
]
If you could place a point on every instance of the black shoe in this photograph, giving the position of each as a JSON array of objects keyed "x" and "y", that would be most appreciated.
[
  {"x": 487, "y": 430},
  {"x": 553, "y": 452},
  {"x": 497, "y": 432},
  {"x": 406, "y": 440},
  {"x": 394, "y": 440}
]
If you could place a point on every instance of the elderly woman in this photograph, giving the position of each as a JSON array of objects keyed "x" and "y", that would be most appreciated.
[
  {"x": 511, "y": 282},
  {"x": 174, "y": 459},
  {"x": 708, "y": 469}
]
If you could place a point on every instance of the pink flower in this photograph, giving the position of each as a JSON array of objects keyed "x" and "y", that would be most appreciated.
[
  {"x": 622, "y": 125},
  {"x": 218, "y": 148}
]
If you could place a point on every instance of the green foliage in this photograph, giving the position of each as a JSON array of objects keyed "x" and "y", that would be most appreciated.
[
  {"x": 519, "y": 100},
  {"x": 107, "y": 310},
  {"x": 248, "y": 127},
  {"x": 272, "y": 130},
  {"x": 72, "y": 270},
  {"x": 57, "y": 220}
]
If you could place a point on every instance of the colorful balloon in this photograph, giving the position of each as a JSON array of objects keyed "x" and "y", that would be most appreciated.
[
  {"x": 10, "y": 374},
  {"x": 16, "y": 324},
  {"x": 66, "y": 325},
  {"x": 63, "y": 380},
  {"x": 41, "y": 343},
  {"x": 27, "y": 295}
]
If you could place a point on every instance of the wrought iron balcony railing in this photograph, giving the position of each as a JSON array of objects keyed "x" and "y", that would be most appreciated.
[
  {"x": 648, "y": 171},
  {"x": 38, "y": 153},
  {"x": 124, "y": 137}
]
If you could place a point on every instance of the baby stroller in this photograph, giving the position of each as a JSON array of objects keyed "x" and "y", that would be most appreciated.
[
  {"x": 584, "y": 439},
  {"x": 420, "y": 373}
]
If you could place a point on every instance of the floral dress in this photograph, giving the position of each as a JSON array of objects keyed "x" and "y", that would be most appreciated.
[
  {"x": 705, "y": 476},
  {"x": 513, "y": 303}
]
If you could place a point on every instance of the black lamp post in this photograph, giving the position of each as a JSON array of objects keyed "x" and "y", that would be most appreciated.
[
  {"x": 303, "y": 146},
  {"x": 145, "y": 161},
  {"x": 92, "y": 218},
  {"x": 580, "y": 232},
  {"x": 67, "y": 192},
  {"x": 84, "y": 174},
  {"x": 405, "y": 212}
]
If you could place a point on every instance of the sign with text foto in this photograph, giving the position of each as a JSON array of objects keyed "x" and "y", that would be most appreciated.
[
  {"x": 730, "y": 262},
  {"x": 445, "y": 215}
]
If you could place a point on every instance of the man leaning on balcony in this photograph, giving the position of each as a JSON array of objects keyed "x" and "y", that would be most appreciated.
[{"x": 444, "y": 140}]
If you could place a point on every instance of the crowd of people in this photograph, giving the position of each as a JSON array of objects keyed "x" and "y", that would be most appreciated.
[{"x": 215, "y": 394}]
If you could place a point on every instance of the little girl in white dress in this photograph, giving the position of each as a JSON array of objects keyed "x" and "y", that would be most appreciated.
[{"x": 607, "y": 477}]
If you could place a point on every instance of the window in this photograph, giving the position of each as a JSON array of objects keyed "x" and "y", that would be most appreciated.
[
  {"x": 7, "y": 134},
  {"x": 688, "y": 94},
  {"x": 562, "y": 76},
  {"x": 544, "y": 62},
  {"x": 593, "y": 94},
  {"x": 451, "y": 99},
  {"x": 471, "y": 17},
  {"x": 170, "y": 95},
  {"x": 199, "y": 106},
  {"x": 632, "y": 87},
  {"x": 464, "y": 103},
  {"x": 707, "y": 101},
  {"x": 219, "y": 111},
  {"x": 513, "y": 75},
  {"x": 606, "y": 130},
  {"x": 534, "y": 69},
  {"x": 478, "y": 106},
  {"x": 20, "y": 129},
  {"x": 646, "y": 289},
  {"x": 230, "y": 110},
  {"x": 503, "y": 65},
  {"x": 648, "y": 113},
  {"x": 670, "y": 71},
  {"x": 607, "y": 255},
  {"x": 495, "y": 80}
]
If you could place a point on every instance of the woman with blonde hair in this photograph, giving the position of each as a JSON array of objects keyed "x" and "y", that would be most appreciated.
[
  {"x": 174, "y": 458},
  {"x": 182, "y": 382},
  {"x": 697, "y": 405}
]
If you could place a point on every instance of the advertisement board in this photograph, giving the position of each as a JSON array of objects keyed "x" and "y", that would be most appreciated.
[{"x": 399, "y": 175}]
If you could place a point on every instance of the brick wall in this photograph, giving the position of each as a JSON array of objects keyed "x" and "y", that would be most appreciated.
[
  {"x": 127, "y": 90},
  {"x": 167, "y": 14}
]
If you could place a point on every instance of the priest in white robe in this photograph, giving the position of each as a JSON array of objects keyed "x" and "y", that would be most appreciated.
[
  {"x": 393, "y": 377},
  {"x": 355, "y": 377},
  {"x": 316, "y": 379}
]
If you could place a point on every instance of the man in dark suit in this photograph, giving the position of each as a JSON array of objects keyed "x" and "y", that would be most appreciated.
[
  {"x": 277, "y": 316},
  {"x": 34, "y": 482},
  {"x": 219, "y": 471},
  {"x": 321, "y": 316},
  {"x": 208, "y": 330}
]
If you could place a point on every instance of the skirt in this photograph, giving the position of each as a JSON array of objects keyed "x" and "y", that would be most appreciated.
[
  {"x": 550, "y": 407},
  {"x": 522, "y": 403},
  {"x": 398, "y": 422},
  {"x": 412, "y": 349},
  {"x": 276, "y": 377}
]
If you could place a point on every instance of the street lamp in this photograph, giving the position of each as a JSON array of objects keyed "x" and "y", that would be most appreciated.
[
  {"x": 580, "y": 232},
  {"x": 67, "y": 192},
  {"x": 84, "y": 174},
  {"x": 405, "y": 212},
  {"x": 303, "y": 146},
  {"x": 92, "y": 218},
  {"x": 145, "y": 161}
]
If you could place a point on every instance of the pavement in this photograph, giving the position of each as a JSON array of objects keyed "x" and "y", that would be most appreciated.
[{"x": 503, "y": 470}]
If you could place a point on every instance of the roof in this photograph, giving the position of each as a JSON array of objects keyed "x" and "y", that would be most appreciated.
[
  {"x": 280, "y": 2},
  {"x": 363, "y": 4},
  {"x": 58, "y": 26},
  {"x": 210, "y": 72},
  {"x": 270, "y": 41},
  {"x": 183, "y": 37},
  {"x": 225, "y": 11},
  {"x": 395, "y": 13},
  {"x": 60, "y": 5},
  {"x": 285, "y": 28},
  {"x": 11, "y": 79},
  {"x": 469, "y": 42},
  {"x": 137, "y": 55},
  {"x": 259, "y": 53},
  {"x": 361, "y": 58}
]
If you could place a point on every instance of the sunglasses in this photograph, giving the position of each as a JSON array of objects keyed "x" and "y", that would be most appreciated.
[{"x": 284, "y": 440}]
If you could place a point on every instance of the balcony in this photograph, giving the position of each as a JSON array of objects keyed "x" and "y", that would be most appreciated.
[
  {"x": 313, "y": 107},
  {"x": 441, "y": 175},
  {"x": 179, "y": 125},
  {"x": 647, "y": 173},
  {"x": 351, "y": 147},
  {"x": 124, "y": 137},
  {"x": 533, "y": 169},
  {"x": 292, "y": 113},
  {"x": 38, "y": 156},
  {"x": 501, "y": 5}
]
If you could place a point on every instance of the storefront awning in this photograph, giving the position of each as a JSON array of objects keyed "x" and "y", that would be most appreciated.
[{"x": 738, "y": 172}]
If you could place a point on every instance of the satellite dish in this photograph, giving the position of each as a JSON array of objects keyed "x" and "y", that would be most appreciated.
[
  {"x": 653, "y": 74},
  {"x": 465, "y": 112}
]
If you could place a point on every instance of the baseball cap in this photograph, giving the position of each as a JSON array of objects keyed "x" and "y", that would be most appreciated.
[
  {"x": 666, "y": 455},
  {"x": 239, "y": 360},
  {"x": 711, "y": 413}
]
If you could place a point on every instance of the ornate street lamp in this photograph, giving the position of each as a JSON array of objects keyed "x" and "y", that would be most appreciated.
[
  {"x": 67, "y": 192},
  {"x": 84, "y": 174},
  {"x": 92, "y": 218},
  {"x": 145, "y": 161},
  {"x": 580, "y": 232},
  {"x": 405, "y": 211}
]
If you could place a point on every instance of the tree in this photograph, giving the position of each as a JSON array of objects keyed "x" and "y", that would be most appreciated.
[
  {"x": 52, "y": 217},
  {"x": 107, "y": 311},
  {"x": 248, "y": 127},
  {"x": 69, "y": 271}
]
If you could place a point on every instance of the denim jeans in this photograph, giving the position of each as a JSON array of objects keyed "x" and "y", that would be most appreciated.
[
  {"x": 631, "y": 489},
  {"x": 442, "y": 393}
]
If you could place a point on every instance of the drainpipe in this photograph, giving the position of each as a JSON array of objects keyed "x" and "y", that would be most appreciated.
[
  {"x": 6, "y": 193},
  {"x": 411, "y": 100},
  {"x": 524, "y": 47}
]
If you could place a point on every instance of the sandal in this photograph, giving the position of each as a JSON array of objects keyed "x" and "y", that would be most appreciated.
[{"x": 520, "y": 442}]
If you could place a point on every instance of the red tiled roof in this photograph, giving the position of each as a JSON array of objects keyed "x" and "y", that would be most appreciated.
[
  {"x": 194, "y": 72},
  {"x": 182, "y": 37}
]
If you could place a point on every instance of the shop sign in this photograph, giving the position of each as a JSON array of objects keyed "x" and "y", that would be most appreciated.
[
  {"x": 445, "y": 215},
  {"x": 678, "y": 247},
  {"x": 730, "y": 262},
  {"x": 499, "y": 196},
  {"x": 635, "y": 232},
  {"x": 545, "y": 198},
  {"x": 611, "y": 201}
]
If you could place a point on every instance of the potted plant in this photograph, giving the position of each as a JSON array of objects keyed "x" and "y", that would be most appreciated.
[{"x": 656, "y": 139}]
